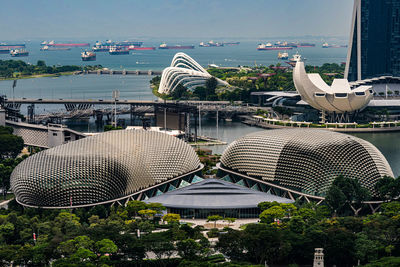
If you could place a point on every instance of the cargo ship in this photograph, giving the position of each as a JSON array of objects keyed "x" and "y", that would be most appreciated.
[
  {"x": 283, "y": 55},
  {"x": 88, "y": 56},
  {"x": 286, "y": 44},
  {"x": 101, "y": 48},
  {"x": 118, "y": 50},
  {"x": 296, "y": 57},
  {"x": 52, "y": 43},
  {"x": 19, "y": 53},
  {"x": 124, "y": 43},
  {"x": 326, "y": 45},
  {"x": 132, "y": 47},
  {"x": 211, "y": 44},
  {"x": 52, "y": 48},
  {"x": 4, "y": 50},
  {"x": 269, "y": 46},
  {"x": 11, "y": 46},
  {"x": 165, "y": 46},
  {"x": 306, "y": 45}
]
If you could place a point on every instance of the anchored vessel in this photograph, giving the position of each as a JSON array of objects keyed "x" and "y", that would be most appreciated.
[
  {"x": 88, "y": 56},
  {"x": 165, "y": 46},
  {"x": 11, "y": 46},
  {"x": 4, "y": 50},
  {"x": 118, "y": 50},
  {"x": 306, "y": 45},
  {"x": 132, "y": 47},
  {"x": 283, "y": 55},
  {"x": 19, "y": 53},
  {"x": 211, "y": 44},
  {"x": 269, "y": 46},
  {"x": 52, "y": 43},
  {"x": 326, "y": 45}
]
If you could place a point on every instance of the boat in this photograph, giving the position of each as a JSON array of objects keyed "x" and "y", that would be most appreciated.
[
  {"x": 306, "y": 45},
  {"x": 88, "y": 56},
  {"x": 231, "y": 43},
  {"x": 19, "y": 53},
  {"x": 165, "y": 46},
  {"x": 11, "y": 46},
  {"x": 101, "y": 48},
  {"x": 216, "y": 44},
  {"x": 132, "y": 47},
  {"x": 283, "y": 55},
  {"x": 52, "y": 48},
  {"x": 269, "y": 46},
  {"x": 296, "y": 57},
  {"x": 124, "y": 43},
  {"x": 326, "y": 45},
  {"x": 52, "y": 43},
  {"x": 211, "y": 44},
  {"x": 203, "y": 44},
  {"x": 286, "y": 44},
  {"x": 118, "y": 50},
  {"x": 4, "y": 50}
]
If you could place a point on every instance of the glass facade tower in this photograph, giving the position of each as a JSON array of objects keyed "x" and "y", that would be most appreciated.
[{"x": 374, "y": 47}]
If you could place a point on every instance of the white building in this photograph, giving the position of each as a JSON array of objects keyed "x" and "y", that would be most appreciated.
[{"x": 185, "y": 71}]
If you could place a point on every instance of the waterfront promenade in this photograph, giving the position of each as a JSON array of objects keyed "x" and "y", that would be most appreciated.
[{"x": 353, "y": 127}]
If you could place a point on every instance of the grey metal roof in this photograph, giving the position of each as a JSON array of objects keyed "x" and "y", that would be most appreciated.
[{"x": 214, "y": 194}]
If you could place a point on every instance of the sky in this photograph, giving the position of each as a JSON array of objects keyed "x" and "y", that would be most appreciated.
[{"x": 86, "y": 19}]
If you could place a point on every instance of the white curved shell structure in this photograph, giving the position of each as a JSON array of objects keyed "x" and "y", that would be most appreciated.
[
  {"x": 337, "y": 98},
  {"x": 186, "y": 71}
]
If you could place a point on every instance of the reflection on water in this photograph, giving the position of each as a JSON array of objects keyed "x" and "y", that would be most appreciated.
[{"x": 388, "y": 144}]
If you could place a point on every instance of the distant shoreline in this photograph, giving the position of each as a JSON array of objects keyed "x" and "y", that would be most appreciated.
[{"x": 40, "y": 76}]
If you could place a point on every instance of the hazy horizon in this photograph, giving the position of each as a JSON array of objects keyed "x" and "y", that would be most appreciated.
[{"x": 189, "y": 19}]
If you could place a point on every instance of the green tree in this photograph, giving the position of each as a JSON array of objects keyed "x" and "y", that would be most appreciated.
[
  {"x": 388, "y": 188},
  {"x": 106, "y": 246},
  {"x": 134, "y": 206},
  {"x": 214, "y": 218},
  {"x": 189, "y": 249},
  {"x": 5, "y": 173},
  {"x": 346, "y": 193},
  {"x": 171, "y": 218},
  {"x": 148, "y": 214},
  {"x": 158, "y": 207},
  {"x": 366, "y": 249},
  {"x": 266, "y": 205},
  {"x": 10, "y": 145},
  {"x": 179, "y": 91},
  {"x": 274, "y": 212}
]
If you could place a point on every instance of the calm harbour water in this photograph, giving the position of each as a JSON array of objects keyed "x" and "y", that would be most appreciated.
[{"x": 137, "y": 87}]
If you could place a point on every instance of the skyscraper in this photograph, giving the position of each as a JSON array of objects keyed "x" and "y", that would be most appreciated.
[{"x": 374, "y": 47}]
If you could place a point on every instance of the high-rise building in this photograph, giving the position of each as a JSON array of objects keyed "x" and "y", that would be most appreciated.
[{"x": 374, "y": 46}]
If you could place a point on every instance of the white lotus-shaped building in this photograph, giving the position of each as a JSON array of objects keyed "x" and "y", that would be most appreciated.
[
  {"x": 337, "y": 98},
  {"x": 186, "y": 71}
]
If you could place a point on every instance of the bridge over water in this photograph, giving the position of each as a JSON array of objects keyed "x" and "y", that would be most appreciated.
[{"x": 180, "y": 115}]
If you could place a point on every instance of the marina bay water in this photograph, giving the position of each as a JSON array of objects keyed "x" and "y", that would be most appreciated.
[
  {"x": 244, "y": 54},
  {"x": 137, "y": 87}
]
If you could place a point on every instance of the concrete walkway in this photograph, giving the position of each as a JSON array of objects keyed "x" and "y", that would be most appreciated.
[{"x": 220, "y": 224}]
